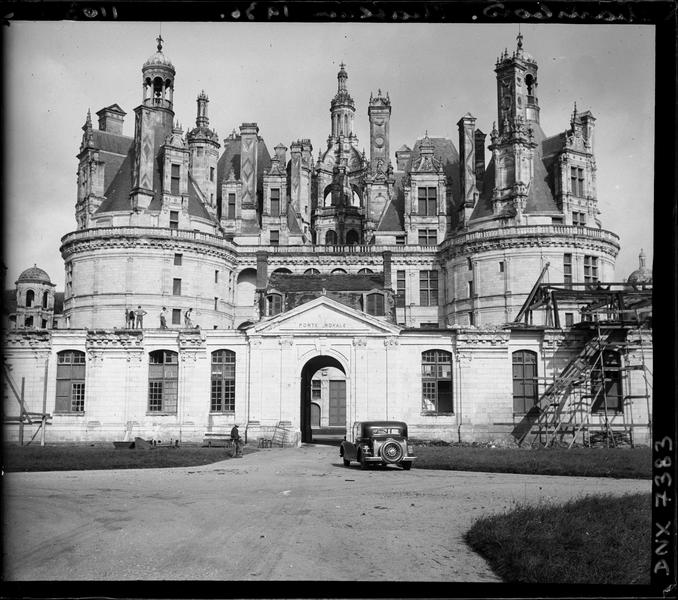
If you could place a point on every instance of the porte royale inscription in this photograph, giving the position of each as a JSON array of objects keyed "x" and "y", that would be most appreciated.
[{"x": 321, "y": 325}]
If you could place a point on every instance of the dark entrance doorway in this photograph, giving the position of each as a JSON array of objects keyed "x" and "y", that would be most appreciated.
[{"x": 315, "y": 426}]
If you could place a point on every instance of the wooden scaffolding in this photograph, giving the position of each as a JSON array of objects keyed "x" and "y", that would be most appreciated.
[{"x": 590, "y": 401}]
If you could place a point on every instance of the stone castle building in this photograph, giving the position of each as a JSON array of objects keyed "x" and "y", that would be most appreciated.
[{"x": 371, "y": 270}]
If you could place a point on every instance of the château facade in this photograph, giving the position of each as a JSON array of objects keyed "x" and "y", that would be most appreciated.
[
  {"x": 325, "y": 288},
  {"x": 167, "y": 218}
]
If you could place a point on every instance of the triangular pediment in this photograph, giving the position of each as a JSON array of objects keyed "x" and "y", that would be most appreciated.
[{"x": 323, "y": 316}]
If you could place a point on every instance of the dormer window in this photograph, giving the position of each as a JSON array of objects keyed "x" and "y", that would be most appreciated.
[
  {"x": 273, "y": 304},
  {"x": 374, "y": 304},
  {"x": 428, "y": 201},
  {"x": 577, "y": 181},
  {"x": 175, "y": 179},
  {"x": 275, "y": 202}
]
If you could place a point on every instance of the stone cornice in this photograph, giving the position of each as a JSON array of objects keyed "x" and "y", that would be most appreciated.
[
  {"x": 470, "y": 243},
  {"x": 134, "y": 237}
]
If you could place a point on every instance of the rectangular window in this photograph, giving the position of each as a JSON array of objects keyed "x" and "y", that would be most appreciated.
[
  {"x": 174, "y": 219},
  {"x": 569, "y": 319},
  {"x": 216, "y": 303},
  {"x": 567, "y": 269},
  {"x": 275, "y": 202},
  {"x": 231, "y": 207},
  {"x": 400, "y": 288},
  {"x": 175, "y": 178},
  {"x": 211, "y": 173},
  {"x": 400, "y": 240},
  {"x": 178, "y": 259},
  {"x": 470, "y": 289},
  {"x": 501, "y": 266},
  {"x": 428, "y": 201},
  {"x": 428, "y": 288},
  {"x": 275, "y": 237},
  {"x": 155, "y": 396},
  {"x": 176, "y": 316},
  {"x": 316, "y": 389},
  {"x": 606, "y": 383},
  {"x": 216, "y": 276},
  {"x": 375, "y": 304},
  {"x": 428, "y": 237},
  {"x": 436, "y": 382},
  {"x": 590, "y": 269},
  {"x": 580, "y": 181},
  {"x": 223, "y": 381},
  {"x": 579, "y": 219},
  {"x": 471, "y": 318},
  {"x": 176, "y": 287}
]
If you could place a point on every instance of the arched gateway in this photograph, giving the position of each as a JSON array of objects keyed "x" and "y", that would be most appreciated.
[{"x": 323, "y": 408}]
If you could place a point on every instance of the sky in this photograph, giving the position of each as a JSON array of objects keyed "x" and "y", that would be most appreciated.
[{"x": 283, "y": 76}]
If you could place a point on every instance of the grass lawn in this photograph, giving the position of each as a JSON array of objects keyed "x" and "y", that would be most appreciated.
[
  {"x": 588, "y": 462},
  {"x": 582, "y": 462},
  {"x": 61, "y": 457},
  {"x": 596, "y": 540}
]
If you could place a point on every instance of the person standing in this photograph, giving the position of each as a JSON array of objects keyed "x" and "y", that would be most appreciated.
[
  {"x": 235, "y": 439},
  {"x": 130, "y": 319},
  {"x": 163, "y": 318},
  {"x": 187, "y": 318},
  {"x": 140, "y": 312}
]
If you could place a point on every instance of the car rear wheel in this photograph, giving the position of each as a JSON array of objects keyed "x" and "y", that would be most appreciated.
[{"x": 391, "y": 452}]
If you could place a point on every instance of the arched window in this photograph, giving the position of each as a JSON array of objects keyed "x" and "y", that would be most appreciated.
[
  {"x": 311, "y": 272},
  {"x": 30, "y": 298},
  {"x": 524, "y": 381},
  {"x": 331, "y": 238},
  {"x": 352, "y": 237},
  {"x": 223, "y": 381},
  {"x": 365, "y": 271},
  {"x": 606, "y": 384},
  {"x": 282, "y": 270},
  {"x": 273, "y": 304},
  {"x": 436, "y": 382},
  {"x": 336, "y": 271},
  {"x": 28, "y": 321},
  {"x": 163, "y": 381},
  {"x": 374, "y": 304},
  {"x": 529, "y": 82},
  {"x": 70, "y": 384},
  {"x": 45, "y": 298}
]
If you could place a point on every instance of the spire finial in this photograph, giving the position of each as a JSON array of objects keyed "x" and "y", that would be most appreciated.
[{"x": 160, "y": 41}]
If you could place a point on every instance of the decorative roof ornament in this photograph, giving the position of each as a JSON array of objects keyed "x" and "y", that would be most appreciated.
[
  {"x": 642, "y": 274},
  {"x": 88, "y": 135},
  {"x": 160, "y": 41}
]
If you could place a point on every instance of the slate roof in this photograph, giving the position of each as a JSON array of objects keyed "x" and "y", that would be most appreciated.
[
  {"x": 118, "y": 176},
  {"x": 338, "y": 282},
  {"x": 540, "y": 196},
  {"x": 231, "y": 159},
  {"x": 445, "y": 151},
  {"x": 392, "y": 218}
]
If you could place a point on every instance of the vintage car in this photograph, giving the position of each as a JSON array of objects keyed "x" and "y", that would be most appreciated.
[{"x": 377, "y": 442}]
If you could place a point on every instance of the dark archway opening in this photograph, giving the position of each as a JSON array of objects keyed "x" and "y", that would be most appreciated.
[{"x": 332, "y": 429}]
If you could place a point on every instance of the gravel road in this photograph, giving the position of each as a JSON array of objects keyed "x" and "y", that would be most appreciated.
[{"x": 276, "y": 514}]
